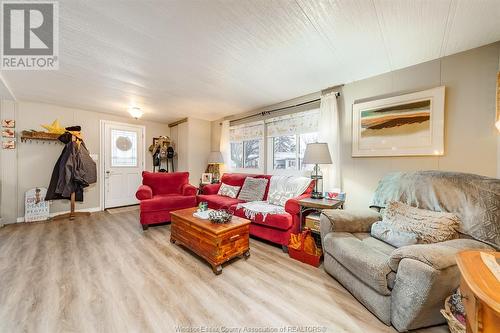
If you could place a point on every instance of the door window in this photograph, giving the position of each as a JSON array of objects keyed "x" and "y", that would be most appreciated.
[{"x": 123, "y": 148}]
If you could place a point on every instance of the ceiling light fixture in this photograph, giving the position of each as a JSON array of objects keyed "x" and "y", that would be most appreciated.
[{"x": 135, "y": 112}]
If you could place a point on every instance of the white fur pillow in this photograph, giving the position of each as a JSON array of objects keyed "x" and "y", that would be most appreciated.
[
  {"x": 405, "y": 225},
  {"x": 228, "y": 190}
]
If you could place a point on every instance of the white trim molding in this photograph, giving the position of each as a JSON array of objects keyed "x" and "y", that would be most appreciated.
[{"x": 90, "y": 210}]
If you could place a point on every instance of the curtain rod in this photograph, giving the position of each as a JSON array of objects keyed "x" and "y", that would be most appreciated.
[{"x": 263, "y": 113}]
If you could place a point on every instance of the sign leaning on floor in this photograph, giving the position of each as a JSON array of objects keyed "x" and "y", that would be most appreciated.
[{"x": 35, "y": 206}]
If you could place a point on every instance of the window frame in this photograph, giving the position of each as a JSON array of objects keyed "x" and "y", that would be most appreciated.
[
  {"x": 270, "y": 158},
  {"x": 243, "y": 169}
]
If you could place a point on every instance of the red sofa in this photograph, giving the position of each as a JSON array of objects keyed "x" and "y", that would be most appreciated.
[
  {"x": 161, "y": 193},
  {"x": 276, "y": 228}
]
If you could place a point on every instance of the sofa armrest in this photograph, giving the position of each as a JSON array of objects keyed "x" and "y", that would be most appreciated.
[
  {"x": 189, "y": 190},
  {"x": 437, "y": 255},
  {"x": 340, "y": 220},
  {"x": 292, "y": 206},
  {"x": 211, "y": 189},
  {"x": 144, "y": 192}
]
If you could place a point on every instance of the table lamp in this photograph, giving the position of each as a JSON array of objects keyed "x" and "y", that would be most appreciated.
[
  {"x": 317, "y": 153},
  {"x": 214, "y": 160}
]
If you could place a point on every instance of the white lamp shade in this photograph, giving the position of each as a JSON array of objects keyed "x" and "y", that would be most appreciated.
[
  {"x": 215, "y": 157},
  {"x": 317, "y": 153}
]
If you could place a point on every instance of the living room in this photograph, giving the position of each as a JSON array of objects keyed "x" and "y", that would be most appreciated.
[{"x": 250, "y": 166}]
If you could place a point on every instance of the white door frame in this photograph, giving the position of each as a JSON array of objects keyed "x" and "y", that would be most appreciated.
[{"x": 102, "y": 149}]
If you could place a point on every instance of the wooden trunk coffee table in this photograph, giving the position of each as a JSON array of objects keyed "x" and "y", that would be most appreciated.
[{"x": 216, "y": 243}]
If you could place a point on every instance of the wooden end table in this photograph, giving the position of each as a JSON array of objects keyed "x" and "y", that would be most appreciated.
[
  {"x": 309, "y": 205},
  {"x": 216, "y": 243},
  {"x": 480, "y": 292}
]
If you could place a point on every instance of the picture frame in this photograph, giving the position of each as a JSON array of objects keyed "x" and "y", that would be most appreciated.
[
  {"x": 8, "y": 123},
  {"x": 9, "y": 144},
  {"x": 8, "y": 133},
  {"x": 406, "y": 125},
  {"x": 206, "y": 178}
]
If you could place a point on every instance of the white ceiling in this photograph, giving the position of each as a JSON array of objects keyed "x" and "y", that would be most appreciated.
[{"x": 209, "y": 59}]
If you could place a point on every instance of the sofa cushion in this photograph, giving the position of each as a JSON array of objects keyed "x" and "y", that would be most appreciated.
[
  {"x": 253, "y": 189},
  {"x": 167, "y": 202},
  {"x": 235, "y": 179},
  {"x": 364, "y": 256},
  {"x": 228, "y": 190},
  {"x": 277, "y": 221},
  {"x": 218, "y": 202}
]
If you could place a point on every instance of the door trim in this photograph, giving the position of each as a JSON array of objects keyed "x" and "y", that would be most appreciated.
[{"x": 102, "y": 124}]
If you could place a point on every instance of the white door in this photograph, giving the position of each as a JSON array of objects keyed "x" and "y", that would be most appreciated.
[{"x": 123, "y": 163}]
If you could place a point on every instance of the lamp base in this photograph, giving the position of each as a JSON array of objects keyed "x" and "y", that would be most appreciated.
[{"x": 316, "y": 195}]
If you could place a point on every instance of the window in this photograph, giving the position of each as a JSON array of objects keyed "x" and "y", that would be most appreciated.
[
  {"x": 287, "y": 138},
  {"x": 251, "y": 154},
  {"x": 236, "y": 155},
  {"x": 284, "y": 152},
  {"x": 124, "y": 148},
  {"x": 286, "y": 156},
  {"x": 246, "y": 146}
]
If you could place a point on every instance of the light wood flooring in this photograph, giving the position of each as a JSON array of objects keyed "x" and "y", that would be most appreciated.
[{"x": 104, "y": 274}]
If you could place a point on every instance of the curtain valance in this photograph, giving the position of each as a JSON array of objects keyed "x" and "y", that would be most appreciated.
[
  {"x": 249, "y": 131},
  {"x": 298, "y": 123}
]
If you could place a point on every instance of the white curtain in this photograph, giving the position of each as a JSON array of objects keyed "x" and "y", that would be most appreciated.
[
  {"x": 225, "y": 147},
  {"x": 329, "y": 132}
]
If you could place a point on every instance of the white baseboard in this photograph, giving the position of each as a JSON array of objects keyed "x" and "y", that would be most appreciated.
[{"x": 90, "y": 210}]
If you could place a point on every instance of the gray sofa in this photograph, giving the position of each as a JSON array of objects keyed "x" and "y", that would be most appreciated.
[{"x": 406, "y": 286}]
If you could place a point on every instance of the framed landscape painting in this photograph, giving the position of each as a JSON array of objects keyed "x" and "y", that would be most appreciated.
[{"x": 405, "y": 125}]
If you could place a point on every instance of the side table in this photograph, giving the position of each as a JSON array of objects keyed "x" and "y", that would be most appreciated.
[{"x": 309, "y": 205}]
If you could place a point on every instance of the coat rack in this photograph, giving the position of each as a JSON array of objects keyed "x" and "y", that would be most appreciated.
[{"x": 72, "y": 213}]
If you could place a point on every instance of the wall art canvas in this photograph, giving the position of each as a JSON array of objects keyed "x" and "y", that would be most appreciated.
[
  {"x": 9, "y": 144},
  {"x": 35, "y": 206},
  {"x": 8, "y": 133},
  {"x": 406, "y": 125},
  {"x": 10, "y": 123}
]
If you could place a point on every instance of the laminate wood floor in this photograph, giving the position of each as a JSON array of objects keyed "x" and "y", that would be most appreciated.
[{"x": 104, "y": 274}]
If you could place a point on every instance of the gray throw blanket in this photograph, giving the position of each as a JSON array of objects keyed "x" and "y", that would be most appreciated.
[{"x": 474, "y": 199}]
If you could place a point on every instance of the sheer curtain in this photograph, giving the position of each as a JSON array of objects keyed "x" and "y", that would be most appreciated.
[
  {"x": 225, "y": 147},
  {"x": 329, "y": 132}
]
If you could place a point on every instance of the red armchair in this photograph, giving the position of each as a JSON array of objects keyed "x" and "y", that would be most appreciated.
[{"x": 161, "y": 193}]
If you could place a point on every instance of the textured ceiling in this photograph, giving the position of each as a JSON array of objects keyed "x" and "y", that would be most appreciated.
[{"x": 209, "y": 59}]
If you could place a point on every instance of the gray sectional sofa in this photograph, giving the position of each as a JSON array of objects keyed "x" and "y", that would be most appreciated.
[{"x": 407, "y": 286}]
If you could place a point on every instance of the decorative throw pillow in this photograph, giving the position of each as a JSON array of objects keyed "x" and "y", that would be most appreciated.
[
  {"x": 253, "y": 189},
  {"x": 228, "y": 190},
  {"x": 410, "y": 223}
]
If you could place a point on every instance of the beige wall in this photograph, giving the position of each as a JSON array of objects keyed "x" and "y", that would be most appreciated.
[
  {"x": 193, "y": 144},
  {"x": 35, "y": 161},
  {"x": 470, "y": 136}
]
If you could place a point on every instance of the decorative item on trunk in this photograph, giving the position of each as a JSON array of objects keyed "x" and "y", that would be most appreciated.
[{"x": 220, "y": 216}]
